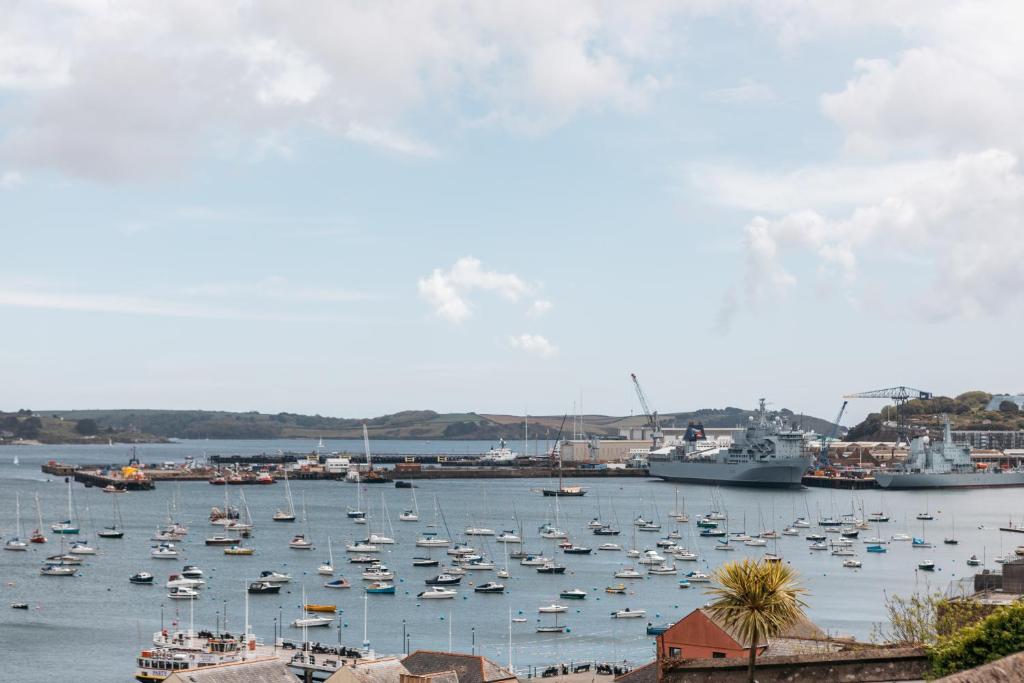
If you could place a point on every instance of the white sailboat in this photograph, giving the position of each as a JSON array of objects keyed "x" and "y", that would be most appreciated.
[
  {"x": 66, "y": 527},
  {"x": 302, "y": 541},
  {"x": 287, "y": 515},
  {"x": 327, "y": 569},
  {"x": 16, "y": 543},
  {"x": 413, "y": 514},
  {"x": 381, "y": 539}
]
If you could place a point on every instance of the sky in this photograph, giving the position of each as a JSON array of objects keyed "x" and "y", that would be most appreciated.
[{"x": 353, "y": 208}]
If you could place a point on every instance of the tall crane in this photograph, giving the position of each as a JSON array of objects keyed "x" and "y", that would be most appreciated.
[
  {"x": 652, "y": 415},
  {"x": 899, "y": 396},
  {"x": 823, "y": 453}
]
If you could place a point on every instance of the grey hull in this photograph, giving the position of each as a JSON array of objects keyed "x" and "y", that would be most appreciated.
[
  {"x": 889, "y": 480},
  {"x": 776, "y": 475}
]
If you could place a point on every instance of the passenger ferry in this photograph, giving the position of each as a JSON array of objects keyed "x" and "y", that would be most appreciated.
[{"x": 177, "y": 651}]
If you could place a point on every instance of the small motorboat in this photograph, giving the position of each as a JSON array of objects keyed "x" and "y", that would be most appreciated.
[
  {"x": 362, "y": 547},
  {"x": 851, "y": 564},
  {"x": 698, "y": 577},
  {"x": 444, "y": 580},
  {"x": 221, "y": 540},
  {"x": 534, "y": 561},
  {"x": 927, "y": 566},
  {"x": 425, "y": 562},
  {"x": 141, "y": 578},
  {"x": 577, "y": 550},
  {"x": 341, "y": 582},
  {"x": 300, "y": 542},
  {"x": 312, "y": 622},
  {"x": 179, "y": 581},
  {"x": 183, "y": 593},
  {"x": 551, "y": 568},
  {"x": 57, "y": 570},
  {"x": 555, "y": 628},
  {"x": 403, "y": 484},
  {"x": 380, "y": 587},
  {"x": 628, "y": 574},
  {"x": 164, "y": 551},
  {"x": 925, "y": 516},
  {"x": 274, "y": 577},
  {"x": 615, "y": 547},
  {"x": 508, "y": 537},
  {"x": 320, "y": 608},
  {"x": 573, "y": 594},
  {"x": 408, "y": 516},
  {"x": 238, "y": 550},
  {"x": 657, "y": 629},
  {"x": 261, "y": 587},
  {"x": 684, "y": 583},
  {"x": 378, "y": 573},
  {"x": 363, "y": 559},
  {"x": 616, "y": 590},
  {"x": 190, "y": 571},
  {"x": 19, "y": 605},
  {"x": 81, "y": 549},
  {"x": 629, "y": 613},
  {"x": 949, "y": 540},
  {"x": 490, "y": 587},
  {"x": 438, "y": 593},
  {"x": 662, "y": 569},
  {"x": 973, "y": 561},
  {"x": 876, "y": 549},
  {"x": 553, "y": 608}
]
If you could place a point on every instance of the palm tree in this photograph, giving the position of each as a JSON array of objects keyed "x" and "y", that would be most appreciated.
[{"x": 757, "y": 601}]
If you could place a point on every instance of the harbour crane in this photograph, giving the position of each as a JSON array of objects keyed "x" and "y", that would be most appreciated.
[
  {"x": 899, "y": 396},
  {"x": 823, "y": 462},
  {"x": 652, "y": 415}
]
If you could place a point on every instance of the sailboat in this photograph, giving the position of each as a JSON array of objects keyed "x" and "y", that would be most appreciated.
[
  {"x": 16, "y": 543},
  {"x": 677, "y": 514},
  {"x": 302, "y": 541},
  {"x": 117, "y": 530},
  {"x": 951, "y": 540},
  {"x": 37, "y": 535},
  {"x": 412, "y": 514},
  {"x": 357, "y": 512},
  {"x": 563, "y": 490},
  {"x": 289, "y": 514},
  {"x": 328, "y": 568},
  {"x": 381, "y": 539},
  {"x": 61, "y": 565},
  {"x": 66, "y": 527}
]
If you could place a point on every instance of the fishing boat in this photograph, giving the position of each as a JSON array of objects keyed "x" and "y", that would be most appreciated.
[
  {"x": 141, "y": 578},
  {"x": 437, "y": 593},
  {"x": 340, "y": 582},
  {"x": 573, "y": 594},
  {"x": 628, "y": 613},
  {"x": 320, "y": 608},
  {"x": 379, "y": 587},
  {"x": 264, "y": 587},
  {"x": 490, "y": 587},
  {"x": 288, "y": 513}
]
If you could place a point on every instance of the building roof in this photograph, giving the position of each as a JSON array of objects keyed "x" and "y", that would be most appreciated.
[
  {"x": 468, "y": 668},
  {"x": 800, "y": 630},
  {"x": 266, "y": 670},
  {"x": 1000, "y": 671},
  {"x": 383, "y": 670},
  {"x": 648, "y": 673}
]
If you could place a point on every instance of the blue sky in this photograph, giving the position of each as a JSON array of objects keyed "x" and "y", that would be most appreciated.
[{"x": 364, "y": 208}]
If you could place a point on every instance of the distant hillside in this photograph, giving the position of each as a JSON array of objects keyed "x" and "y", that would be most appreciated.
[
  {"x": 966, "y": 411},
  {"x": 26, "y": 426},
  {"x": 142, "y": 425}
]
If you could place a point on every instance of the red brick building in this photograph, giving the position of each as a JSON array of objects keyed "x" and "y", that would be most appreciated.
[{"x": 699, "y": 636}]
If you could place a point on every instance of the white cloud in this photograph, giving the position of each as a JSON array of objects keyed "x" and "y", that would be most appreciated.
[
  {"x": 539, "y": 307},
  {"x": 746, "y": 92},
  {"x": 448, "y": 290},
  {"x": 535, "y": 344},
  {"x": 121, "y": 90},
  {"x": 10, "y": 180},
  {"x": 965, "y": 223}
]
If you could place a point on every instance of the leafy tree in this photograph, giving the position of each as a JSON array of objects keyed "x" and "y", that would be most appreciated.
[
  {"x": 1008, "y": 407},
  {"x": 87, "y": 427},
  {"x": 758, "y": 600},
  {"x": 998, "y": 635}
]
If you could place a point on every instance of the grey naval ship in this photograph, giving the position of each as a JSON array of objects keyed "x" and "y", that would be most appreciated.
[
  {"x": 944, "y": 465},
  {"x": 766, "y": 453}
]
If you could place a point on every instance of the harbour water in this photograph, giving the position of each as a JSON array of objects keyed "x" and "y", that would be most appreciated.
[{"x": 95, "y": 623}]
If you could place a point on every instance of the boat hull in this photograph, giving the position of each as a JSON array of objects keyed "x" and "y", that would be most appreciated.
[
  {"x": 774, "y": 474},
  {"x": 911, "y": 480}
]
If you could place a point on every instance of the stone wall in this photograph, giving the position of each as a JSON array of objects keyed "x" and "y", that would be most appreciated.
[{"x": 896, "y": 664}]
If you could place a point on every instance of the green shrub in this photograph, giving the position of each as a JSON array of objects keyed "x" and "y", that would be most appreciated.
[{"x": 998, "y": 635}]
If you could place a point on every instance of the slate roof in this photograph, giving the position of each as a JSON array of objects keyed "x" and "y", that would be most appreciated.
[
  {"x": 1005, "y": 670},
  {"x": 383, "y": 670},
  {"x": 468, "y": 668},
  {"x": 801, "y": 630},
  {"x": 270, "y": 670}
]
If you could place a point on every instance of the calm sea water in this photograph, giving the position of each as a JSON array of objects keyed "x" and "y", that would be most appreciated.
[{"x": 95, "y": 623}]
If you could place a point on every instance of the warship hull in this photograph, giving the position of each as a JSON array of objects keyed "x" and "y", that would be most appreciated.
[
  {"x": 776, "y": 474},
  {"x": 925, "y": 480}
]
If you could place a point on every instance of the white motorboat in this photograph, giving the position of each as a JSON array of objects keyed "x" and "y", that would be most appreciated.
[
  {"x": 553, "y": 608},
  {"x": 312, "y": 622},
  {"x": 182, "y": 593},
  {"x": 651, "y": 557},
  {"x": 408, "y": 516},
  {"x": 460, "y": 549},
  {"x": 508, "y": 537},
  {"x": 851, "y": 564},
  {"x": 629, "y": 613},
  {"x": 755, "y": 542},
  {"x": 628, "y": 574},
  {"x": 378, "y": 573},
  {"x": 438, "y": 593},
  {"x": 432, "y": 542},
  {"x": 662, "y": 569},
  {"x": 274, "y": 577},
  {"x": 164, "y": 551},
  {"x": 361, "y": 547},
  {"x": 178, "y": 581},
  {"x": 610, "y": 546},
  {"x": 190, "y": 571},
  {"x": 380, "y": 539},
  {"x": 300, "y": 542},
  {"x": 685, "y": 555},
  {"x": 81, "y": 549},
  {"x": 901, "y": 537},
  {"x": 479, "y": 531},
  {"x": 698, "y": 577},
  {"x": 534, "y": 561}
]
